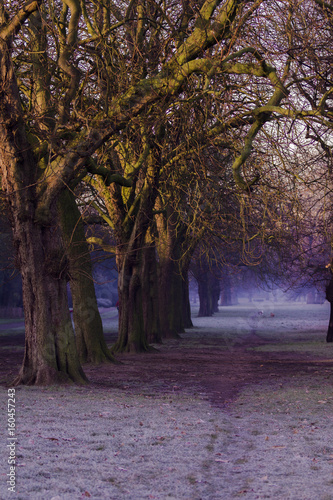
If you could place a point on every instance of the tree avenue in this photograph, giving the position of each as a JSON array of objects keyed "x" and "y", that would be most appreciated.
[{"x": 89, "y": 92}]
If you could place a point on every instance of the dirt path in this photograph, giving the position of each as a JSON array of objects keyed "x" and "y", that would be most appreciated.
[{"x": 199, "y": 362}]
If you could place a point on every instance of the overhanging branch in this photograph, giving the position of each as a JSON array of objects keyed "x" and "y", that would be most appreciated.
[{"x": 15, "y": 24}]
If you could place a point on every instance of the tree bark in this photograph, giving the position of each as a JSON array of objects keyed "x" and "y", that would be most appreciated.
[
  {"x": 88, "y": 325},
  {"x": 171, "y": 298},
  {"x": 150, "y": 295},
  {"x": 175, "y": 311},
  {"x": 131, "y": 334},
  {"x": 50, "y": 350}
]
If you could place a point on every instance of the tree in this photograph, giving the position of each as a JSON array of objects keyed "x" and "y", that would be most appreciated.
[{"x": 50, "y": 350}]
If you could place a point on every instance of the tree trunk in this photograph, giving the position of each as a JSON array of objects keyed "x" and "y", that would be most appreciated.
[
  {"x": 131, "y": 334},
  {"x": 215, "y": 291},
  {"x": 150, "y": 298},
  {"x": 171, "y": 298},
  {"x": 209, "y": 291},
  {"x": 87, "y": 320},
  {"x": 175, "y": 310},
  {"x": 186, "y": 306},
  {"x": 310, "y": 297},
  {"x": 206, "y": 306},
  {"x": 131, "y": 234},
  {"x": 329, "y": 336},
  {"x": 226, "y": 293},
  {"x": 329, "y": 297},
  {"x": 50, "y": 350}
]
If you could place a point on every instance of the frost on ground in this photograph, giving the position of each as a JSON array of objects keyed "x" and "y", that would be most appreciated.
[{"x": 272, "y": 440}]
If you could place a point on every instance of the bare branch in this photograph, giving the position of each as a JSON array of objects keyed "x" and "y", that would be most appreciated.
[{"x": 15, "y": 24}]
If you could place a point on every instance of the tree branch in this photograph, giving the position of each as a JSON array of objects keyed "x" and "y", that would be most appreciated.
[
  {"x": 92, "y": 240},
  {"x": 262, "y": 117},
  {"x": 108, "y": 177},
  {"x": 15, "y": 24}
]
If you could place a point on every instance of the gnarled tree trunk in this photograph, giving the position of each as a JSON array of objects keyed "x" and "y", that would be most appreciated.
[
  {"x": 131, "y": 334},
  {"x": 87, "y": 320},
  {"x": 50, "y": 350},
  {"x": 175, "y": 312},
  {"x": 131, "y": 264}
]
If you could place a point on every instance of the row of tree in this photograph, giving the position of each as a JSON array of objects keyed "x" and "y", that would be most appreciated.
[{"x": 161, "y": 131}]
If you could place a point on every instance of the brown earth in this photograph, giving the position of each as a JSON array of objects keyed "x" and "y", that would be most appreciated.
[{"x": 200, "y": 364}]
